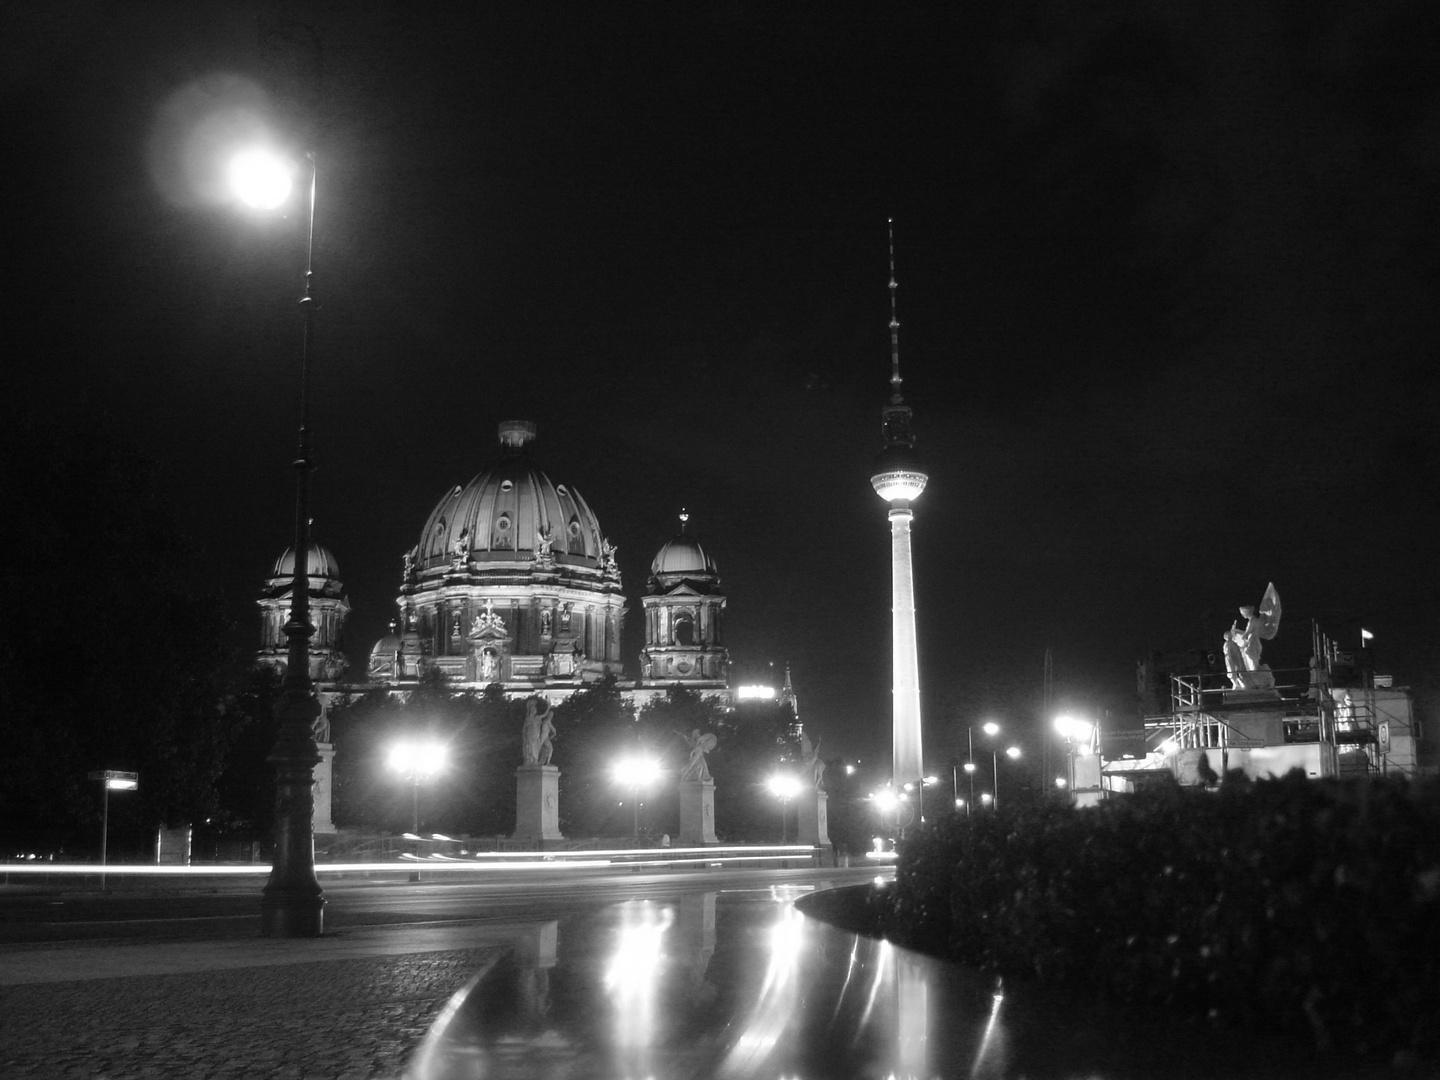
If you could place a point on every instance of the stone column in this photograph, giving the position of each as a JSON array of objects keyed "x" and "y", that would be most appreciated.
[
  {"x": 810, "y": 810},
  {"x": 537, "y": 803},
  {"x": 697, "y": 813},
  {"x": 324, "y": 788}
]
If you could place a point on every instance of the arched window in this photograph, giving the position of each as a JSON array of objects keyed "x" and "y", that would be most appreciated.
[{"x": 684, "y": 630}]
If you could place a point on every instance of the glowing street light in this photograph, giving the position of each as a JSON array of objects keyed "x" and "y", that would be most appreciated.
[
  {"x": 784, "y": 787},
  {"x": 1076, "y": 732},
  {"x": 637, "y": 772},
  {"x": 416, "y": 760},
  {"x": 261, "y": 178}
]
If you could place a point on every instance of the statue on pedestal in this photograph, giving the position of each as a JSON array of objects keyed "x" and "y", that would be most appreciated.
[
  {"x": 700, "y": 745},
  {"x": 1242, "y": 643},
  {"x": 537, "y": 736}
]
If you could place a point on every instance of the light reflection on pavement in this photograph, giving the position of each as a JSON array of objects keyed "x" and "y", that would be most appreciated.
[{"x": 723, "y": 984}]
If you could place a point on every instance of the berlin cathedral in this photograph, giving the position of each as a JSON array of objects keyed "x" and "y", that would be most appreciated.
[{"x": 513, "y": 582}]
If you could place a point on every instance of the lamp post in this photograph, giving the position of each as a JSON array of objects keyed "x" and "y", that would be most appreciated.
[
  {"x": 991, "y": 729},
  {"x": 636, "y": 772},
  {"x": 292, "y": 904},
  {"x": 110, "y": 780},
  {"x": 970, "y": 772},
  {"x": 1013, "y": 753},
  {"x": 784, "y": 787}
]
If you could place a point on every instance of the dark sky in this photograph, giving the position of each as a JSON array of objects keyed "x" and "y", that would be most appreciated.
[{"x": 1168, "y": 282}]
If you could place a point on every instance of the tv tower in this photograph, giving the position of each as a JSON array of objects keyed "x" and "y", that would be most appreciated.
[{"x": 899, "y": 480}]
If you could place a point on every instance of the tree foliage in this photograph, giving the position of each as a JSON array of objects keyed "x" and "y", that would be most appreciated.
[{"x": 110, "y": 658}]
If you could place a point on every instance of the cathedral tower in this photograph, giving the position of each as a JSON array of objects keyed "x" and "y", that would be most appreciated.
[{"x": 683, "y": 605}]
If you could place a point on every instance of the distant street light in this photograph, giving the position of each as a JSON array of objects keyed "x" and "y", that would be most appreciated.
[
  {"x": 416, "y": 760},
  {"x": 111, "y": 780},
  {"x": 637, "y": 773},
  {"x": 1013, "y": 753},
  {"x": 292, "y": 904},
  {"x": 1076, "y": 733},
  {"x": 784, "y": 787}
]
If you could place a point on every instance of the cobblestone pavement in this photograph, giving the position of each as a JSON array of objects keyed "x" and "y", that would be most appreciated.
[{"x": 352, "y": 1007}]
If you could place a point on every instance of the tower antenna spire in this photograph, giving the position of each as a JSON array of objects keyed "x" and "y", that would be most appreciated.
[{"x": 895, "y": 395}]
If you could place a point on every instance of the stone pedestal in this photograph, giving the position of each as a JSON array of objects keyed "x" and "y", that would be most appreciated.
[
  {"x": 813, "y": 825},
  {"x": 537, "y": 803},
  {"x": 697, "y": 813},
  {"x": 324, "y": 788}
]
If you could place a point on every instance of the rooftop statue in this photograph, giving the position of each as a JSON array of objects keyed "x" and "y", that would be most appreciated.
[
  {"x": 700, "y": 745},
  {"x": 1242, "y": 643},
  {"x": 538, "y": 734}
]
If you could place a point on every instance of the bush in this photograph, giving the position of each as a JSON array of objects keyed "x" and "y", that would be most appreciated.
[{"x": 1290, "y": 905}]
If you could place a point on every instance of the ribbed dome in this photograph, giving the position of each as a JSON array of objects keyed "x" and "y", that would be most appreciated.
[
  {"x": 683, "y": 555},
  {"x": 507, "y": 513},
  {"x": 321, "y": 563}
]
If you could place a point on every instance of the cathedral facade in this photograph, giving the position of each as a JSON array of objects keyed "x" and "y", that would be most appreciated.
[{"x": 514, "y": 583}]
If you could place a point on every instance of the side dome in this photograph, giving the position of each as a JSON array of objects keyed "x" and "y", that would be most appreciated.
[
  {"x": 682, "y": 555},
  {"x": 320, "y": 564}
]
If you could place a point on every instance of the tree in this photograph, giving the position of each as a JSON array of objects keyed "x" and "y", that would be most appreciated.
[
  {"x": 593, "y": 727},
  {"x": 474, "y": 794},
  {"x": 109, "y": 659}
]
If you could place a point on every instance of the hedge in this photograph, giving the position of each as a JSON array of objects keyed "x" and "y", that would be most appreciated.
[{"x": 1288, "y": 905}]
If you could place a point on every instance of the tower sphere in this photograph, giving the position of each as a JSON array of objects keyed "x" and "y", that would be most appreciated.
[{"x": 898, "y": 477}]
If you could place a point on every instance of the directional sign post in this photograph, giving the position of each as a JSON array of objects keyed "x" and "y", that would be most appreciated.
[{"x": 110, "y": 780}]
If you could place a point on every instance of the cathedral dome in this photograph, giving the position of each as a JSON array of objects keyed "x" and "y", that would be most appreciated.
[
  {"x": 511, "y": 513},
  {"x": 683, "y": 561},
  {"x": 321, "y": 563},
  {"x": 683, "y": 555}
]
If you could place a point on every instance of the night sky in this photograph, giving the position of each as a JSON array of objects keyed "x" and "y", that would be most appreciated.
[{"x": 1167, "y": 291}]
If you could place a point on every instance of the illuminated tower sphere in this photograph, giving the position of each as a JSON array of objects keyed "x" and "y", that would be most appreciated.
[{"x": 899, "y": 480}]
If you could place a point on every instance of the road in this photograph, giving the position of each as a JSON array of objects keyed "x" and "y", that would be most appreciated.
[{"x": 230, "y": 909}]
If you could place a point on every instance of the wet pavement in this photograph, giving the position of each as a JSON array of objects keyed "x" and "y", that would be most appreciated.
[{"x": 688, "y": 982}]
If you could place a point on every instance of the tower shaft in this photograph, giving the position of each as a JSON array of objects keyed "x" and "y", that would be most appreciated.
[{"x": 907, "y": 757}]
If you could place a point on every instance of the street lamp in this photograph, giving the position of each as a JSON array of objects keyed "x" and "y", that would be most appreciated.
[
  {"x": 970, "y": 772},
  {"x": 784, "y": 787},
  {"x": 1075, "y": 732},
  {"x": 636, "y": 772},
  {"x": 416, "y": 761},
  {"x": 292, "y": 904},
  {"x": 111, "y": 780},
  {"x": 1013, "y": 753}
]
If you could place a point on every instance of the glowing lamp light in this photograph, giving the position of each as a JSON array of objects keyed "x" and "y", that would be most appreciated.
[
  {"x": 1169, "y": 746},
  {"x": 783, "y": 786},
  {"x": 849, "y": 769},
  {"x": 885, "y": 799},
  {"x": 899, "y": 485},
  {"x": 1061, "y": 782},
  {"x": 755, "y": 693},
  {"x": 1073, "y": 729},
  {"x": 417, "y": 759},
  {"x": 969, "y": 766},
  {"x": 636, "y": 772},
  {"x": 1013, "y": 753},
  {"x": 991, "y": 728},
  {"x": 987, "y": 798},
  {"x": 260, "y": 178}
]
